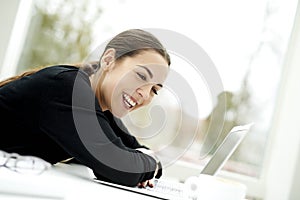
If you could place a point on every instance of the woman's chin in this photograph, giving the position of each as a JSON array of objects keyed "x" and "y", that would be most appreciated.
[{"x": 119, "y": 113}]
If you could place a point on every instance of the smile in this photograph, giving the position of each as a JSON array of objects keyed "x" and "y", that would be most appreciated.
[{"x": 128, "y": 101}]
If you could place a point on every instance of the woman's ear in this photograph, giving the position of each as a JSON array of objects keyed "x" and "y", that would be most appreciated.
[{"x": 108, "y": 59}]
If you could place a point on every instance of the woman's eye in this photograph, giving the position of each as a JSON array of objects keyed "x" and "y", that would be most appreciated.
[
  {"x": 142, "y": 76},
  {"x": 154, "y": 91}
]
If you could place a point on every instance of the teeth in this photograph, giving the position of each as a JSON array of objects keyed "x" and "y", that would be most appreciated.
[
  {"x": 127, "y": 104},
  {"x": 128, "y": 101}
]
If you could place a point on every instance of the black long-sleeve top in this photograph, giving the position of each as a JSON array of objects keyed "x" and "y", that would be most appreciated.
[{"x": 54, "y": 114}]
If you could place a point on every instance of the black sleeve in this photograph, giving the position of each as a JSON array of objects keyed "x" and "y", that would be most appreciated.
[
  {"x": 128, "y": 140},
  {"x": 121, "y": 131},
  {"x": 71, "y": 116}
]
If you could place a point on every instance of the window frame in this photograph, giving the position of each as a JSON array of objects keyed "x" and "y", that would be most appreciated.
[{"x": 19, "y": 31}]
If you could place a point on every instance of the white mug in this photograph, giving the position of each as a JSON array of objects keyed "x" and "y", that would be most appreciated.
[{"x": 206, "y": 187}]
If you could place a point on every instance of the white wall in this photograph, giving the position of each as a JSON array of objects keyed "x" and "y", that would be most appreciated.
[
  {"x": 8, "y": 10},
  {"x": 295, "y": 193},
  {"x": 282, "y": 182}
]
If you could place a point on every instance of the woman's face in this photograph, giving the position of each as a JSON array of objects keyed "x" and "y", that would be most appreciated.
[{"x": 132, "y": 82}]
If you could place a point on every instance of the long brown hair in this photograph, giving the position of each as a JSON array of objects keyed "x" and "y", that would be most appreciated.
[
  {"x": 86, "y": 67},
  {"x": 133, "y": 41},
  {"x": 127, "y": 43},
  {"x": 18, "y": 76}
]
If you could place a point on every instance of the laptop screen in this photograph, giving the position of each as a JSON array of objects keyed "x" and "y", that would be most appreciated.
[{"x": 226, "y": 149}]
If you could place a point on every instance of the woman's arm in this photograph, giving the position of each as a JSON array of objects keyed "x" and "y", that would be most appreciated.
[
  {"x": 76, "y": 123},
  {"x": 121, "y": 131},
  {"x": 131, "y": 142}
]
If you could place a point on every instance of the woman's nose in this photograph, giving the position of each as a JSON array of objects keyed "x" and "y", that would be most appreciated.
[{"x": 144, "y": 92}]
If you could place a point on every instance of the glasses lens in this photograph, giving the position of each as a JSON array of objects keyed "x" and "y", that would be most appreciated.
[
  {"x": 3, "y": 158},
  {"x": 23, "y": 164}
]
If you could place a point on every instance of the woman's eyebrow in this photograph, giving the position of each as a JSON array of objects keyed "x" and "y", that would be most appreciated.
[
  {"x": 147, "y": 69},
  {"x": 150, "y": 73}
]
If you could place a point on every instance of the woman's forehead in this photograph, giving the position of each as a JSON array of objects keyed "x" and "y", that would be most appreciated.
[{"x": 149, "y": 58}]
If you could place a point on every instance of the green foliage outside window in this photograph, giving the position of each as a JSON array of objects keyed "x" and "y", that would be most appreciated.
[{"x": 60, "y": 32}]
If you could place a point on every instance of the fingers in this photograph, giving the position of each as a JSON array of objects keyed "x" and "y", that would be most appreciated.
[
  {"x": 144, "y": 184},
  {"x": 151, "y": 183}
]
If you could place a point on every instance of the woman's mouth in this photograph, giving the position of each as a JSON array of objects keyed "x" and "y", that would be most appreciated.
[{"x": 129, "y": 101}]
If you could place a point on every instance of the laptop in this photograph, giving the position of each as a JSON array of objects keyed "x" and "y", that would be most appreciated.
[{"x": 165, "y": 189}]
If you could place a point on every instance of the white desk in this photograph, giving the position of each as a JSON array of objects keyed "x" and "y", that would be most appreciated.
[
  {"x": 69, "y": 182},
  {"x": 59, "y": 182}
]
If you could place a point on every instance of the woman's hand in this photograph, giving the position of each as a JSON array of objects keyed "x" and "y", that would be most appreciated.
[
  {"x": 150, "y": 182},
  {"x": 144, "y": 184}
]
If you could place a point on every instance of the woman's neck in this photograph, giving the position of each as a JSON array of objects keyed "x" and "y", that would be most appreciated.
[{"x": 96, "y": 80}]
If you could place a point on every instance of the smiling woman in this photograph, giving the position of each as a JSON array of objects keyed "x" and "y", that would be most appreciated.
[
  {"x": 39, "y": 109},
  {"x": 129, "y": 83}
]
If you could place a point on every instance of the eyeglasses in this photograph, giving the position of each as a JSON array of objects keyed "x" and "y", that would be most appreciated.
[{"x": 23, "y": 164}]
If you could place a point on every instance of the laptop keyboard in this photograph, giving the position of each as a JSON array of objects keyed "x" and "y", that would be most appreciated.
[{"x": 168, "y": 187}]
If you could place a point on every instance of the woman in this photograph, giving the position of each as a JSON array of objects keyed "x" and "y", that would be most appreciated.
[{"x": 66, "y": 111}]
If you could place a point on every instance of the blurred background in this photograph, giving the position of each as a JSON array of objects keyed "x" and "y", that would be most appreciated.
[{"x": 252, "y": 44}]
